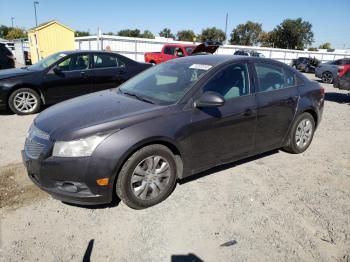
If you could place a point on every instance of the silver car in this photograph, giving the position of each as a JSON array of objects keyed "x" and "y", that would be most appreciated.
[{"x": 328, "y": 71}]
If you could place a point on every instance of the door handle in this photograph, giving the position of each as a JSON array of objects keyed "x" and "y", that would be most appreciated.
[
  {"x": 292, "y": 100},
  {"x": 84, "y": 75},
  {"x": 247, "y": 112}
]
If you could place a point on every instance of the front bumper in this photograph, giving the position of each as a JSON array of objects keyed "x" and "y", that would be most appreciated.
[
  {"x": 318, "y": 72},
  {"x": 67, "y": 179}
]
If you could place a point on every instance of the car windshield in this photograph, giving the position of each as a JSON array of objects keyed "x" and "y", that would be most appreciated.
[
  {"x": 46, "y": 62},
  {"x": 165, "y": 83}
]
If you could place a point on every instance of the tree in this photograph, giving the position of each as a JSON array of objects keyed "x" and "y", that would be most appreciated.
[
  {"x": 325, "y": 46},
  {"x": 109, "y": 33},
  {"x": 130, "y": 32},
  {"x": 166, "y": 32},
  {"x": 312, "y": 49},
  {"x": 15, "y": 33},
  {"x": 266, "y": 39},
  {"x": 81, "y": 33},
  {"x": 293, "y": 34},
  {"x": 147, "y": 34},
  {"x": 212, "y": 34},
  {"x": 185, "y": 35},
  {"x": 3, "y": 31},
  {"x": 246, "y": 34}
]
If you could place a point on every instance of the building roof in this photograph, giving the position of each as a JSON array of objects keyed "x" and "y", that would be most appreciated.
[{"x": 46, "y": 24}]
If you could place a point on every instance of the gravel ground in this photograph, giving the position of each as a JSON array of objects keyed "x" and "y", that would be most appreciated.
[{"x": 273, "y": 207}]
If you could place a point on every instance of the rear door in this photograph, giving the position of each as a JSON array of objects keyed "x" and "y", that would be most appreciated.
[
  {"x": 73, "y": 79},
  {"x": 109, "y": 71},
  {"x": 221, "y": 134},
  {"x": 277, "y": 99}
]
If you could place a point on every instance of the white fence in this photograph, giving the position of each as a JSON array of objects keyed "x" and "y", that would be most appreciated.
[{"x": 135, "y": 48}]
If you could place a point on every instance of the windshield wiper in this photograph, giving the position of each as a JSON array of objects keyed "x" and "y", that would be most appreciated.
[{"x": 141, "y": 98}]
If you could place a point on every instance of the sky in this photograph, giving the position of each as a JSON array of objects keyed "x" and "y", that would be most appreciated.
[{"x": 330, "y": 19}]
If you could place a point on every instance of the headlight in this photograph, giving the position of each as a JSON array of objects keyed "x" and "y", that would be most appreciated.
[{"x": 77, "y": 148}]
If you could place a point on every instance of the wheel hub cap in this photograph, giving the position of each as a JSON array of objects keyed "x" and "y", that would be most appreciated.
[
  {"x": 303, "y": 133},
  {"x": 150, "y": 177}
]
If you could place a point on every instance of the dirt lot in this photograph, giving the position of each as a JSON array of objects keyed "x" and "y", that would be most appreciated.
[{"x": 274, "y": 207}]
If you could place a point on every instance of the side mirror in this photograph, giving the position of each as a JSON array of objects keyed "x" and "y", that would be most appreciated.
[
  {"x": 57, "y": 71},
  {"x": 209, "y": 99}
]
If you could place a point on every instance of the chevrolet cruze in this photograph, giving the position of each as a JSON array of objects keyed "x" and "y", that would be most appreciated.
[{"x": 169, "y": 122}]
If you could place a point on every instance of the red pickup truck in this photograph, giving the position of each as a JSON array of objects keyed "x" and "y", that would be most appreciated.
[{"x": 171, "y": 51}]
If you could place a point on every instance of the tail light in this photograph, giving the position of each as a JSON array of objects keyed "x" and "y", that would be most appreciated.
[
  {"x": 343, "y": 69},
  {"x": 322, "y": 91}
]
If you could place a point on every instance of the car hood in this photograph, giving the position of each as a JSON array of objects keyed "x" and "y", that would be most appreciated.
[
  {"x": 100, "y": 112},
  {"x": 15, "y": 72},
  {"x": 206, "y": 48}
]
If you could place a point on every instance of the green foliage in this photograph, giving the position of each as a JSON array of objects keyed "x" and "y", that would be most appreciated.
[
  {"x": 186, "y": 35},
  {"x": 81, "y": 33},
  {"x": 266, "y": 39},
  {"x": 15, "y": 33},
  {"x": 312, "y": 49},
  {"x": 325, "y": 46},
  {"x": 166, "y": 32},
  {"x": 130, "y": 32},
  {"x": 246, "y": 34},
  {"x": 4, "y": 30},
  {"x": 293, "y": 34},
  {"x": 109, "y": 33},
  {"x": 147, "y": 34},
  {"x": 212, "y": 34}
]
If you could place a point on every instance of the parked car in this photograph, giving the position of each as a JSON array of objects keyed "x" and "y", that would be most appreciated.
[
  {"x": 172, "y": 51},
  {"x": 62, "y": 76},
  {"x": 328, "y": 71},
  {"x": 342, "y": 80},
  {"x": 305, "y": 64},
  {"x": 7, "y": 59},
  {"x": 168, "y": 123},
  {"x": 248, "y": 53}
]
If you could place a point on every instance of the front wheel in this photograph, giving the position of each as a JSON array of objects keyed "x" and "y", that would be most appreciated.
[
  {"x": 327, "y": 77},
  {"x": 24, "y": 101},
  {"x": 301, "y": 134},
  {"x": 147, "y": 178}
]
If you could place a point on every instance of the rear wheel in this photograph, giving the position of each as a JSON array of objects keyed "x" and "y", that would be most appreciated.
[
  {"x": 327, "y": 77},
  {"x": 301, "y": 134},
  {"x": 24, "y": 101},
  {"x": 147, "y": 178}
]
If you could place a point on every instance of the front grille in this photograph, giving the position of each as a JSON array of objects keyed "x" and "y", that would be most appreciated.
[{"x": 33, "y": 149}]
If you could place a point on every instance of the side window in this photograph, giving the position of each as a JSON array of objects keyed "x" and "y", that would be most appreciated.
[
  {"x": 169, "y": 50},
  {"x": 270, "y": 77},
  {"x": 179, "y": 52},
  {"x": 289, "y": 78},
  {"x": 232, "y": 81},
  {"x": 77, "y": 62},
  {"x": 104, "y": 60}
]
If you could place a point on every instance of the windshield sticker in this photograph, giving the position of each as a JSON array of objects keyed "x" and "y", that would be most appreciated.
[
  {"x": 201, "y": 66},
  {"x": 62, "y": 55}
]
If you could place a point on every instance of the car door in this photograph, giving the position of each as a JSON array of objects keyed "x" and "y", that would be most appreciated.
[
  {"x": 277, "y": 100},
  {"x": 221, "y": 134},
  {"x": 68, "y": 78},
  {"x": 169, "y": 53},
  {"x": 108, "y": 71}
]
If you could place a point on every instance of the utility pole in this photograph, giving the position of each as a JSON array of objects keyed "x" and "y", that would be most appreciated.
[
  {"x": 12, "y": 18},
  {"x": 226, "y": 27},
  {"x": 36, "y": 19}
]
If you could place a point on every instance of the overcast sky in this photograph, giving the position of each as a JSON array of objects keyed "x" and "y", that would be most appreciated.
[{"x": 330, "y": 19}]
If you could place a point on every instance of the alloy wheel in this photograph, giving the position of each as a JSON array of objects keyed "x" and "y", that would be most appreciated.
[
  {"x": 327, "y": 77},
  {"x": 25, "y": 102},
  {"x": 150, "y": 177}
]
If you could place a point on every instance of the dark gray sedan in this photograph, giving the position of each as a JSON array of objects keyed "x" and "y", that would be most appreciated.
[
  {"x": 169, "y": 122},
  {"x": 328, "y": 71}
]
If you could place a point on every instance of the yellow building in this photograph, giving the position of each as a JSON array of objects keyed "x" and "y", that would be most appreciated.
[{"x": 49, "y": 38}]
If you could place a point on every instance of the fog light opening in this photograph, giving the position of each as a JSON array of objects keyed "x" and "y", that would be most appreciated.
[{"x": 69, "y": 187}]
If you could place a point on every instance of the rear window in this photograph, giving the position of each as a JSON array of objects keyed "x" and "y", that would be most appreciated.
[{"x": 104, "y": 60}]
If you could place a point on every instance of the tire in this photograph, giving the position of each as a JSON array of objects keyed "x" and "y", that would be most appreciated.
[
  {"x": 136, "y": 182},
  {"x": 307, "y": 69},
  {"x": 29, "y": 98},
  {"x": 327, "y": 77},
  {"x": 301, "y": 134}
]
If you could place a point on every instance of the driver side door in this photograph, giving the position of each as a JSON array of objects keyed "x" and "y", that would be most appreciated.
[{"x": 69, "y": 78}]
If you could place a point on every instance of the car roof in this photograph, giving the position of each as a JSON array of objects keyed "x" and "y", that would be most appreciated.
[
  {"x": 68, "y": 52},
  {"x": 215, "y": 60}
]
